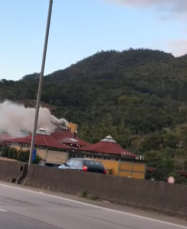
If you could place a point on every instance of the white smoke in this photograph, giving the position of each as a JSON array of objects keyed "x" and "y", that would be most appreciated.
[{"x": 16, "y": 120}]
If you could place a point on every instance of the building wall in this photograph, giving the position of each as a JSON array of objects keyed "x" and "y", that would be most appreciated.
[
  {"x": 124, "y": 169},
  {"x": 56, "y": 157},
  {"x": 73, "y": 127},
  {"x": 116, "y": 168},
  {"x": 133, "y": 170},
  {"x": 50, "y": 156}
]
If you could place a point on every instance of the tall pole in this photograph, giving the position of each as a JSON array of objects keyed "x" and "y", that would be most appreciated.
[{"x": 40, "y": 83}]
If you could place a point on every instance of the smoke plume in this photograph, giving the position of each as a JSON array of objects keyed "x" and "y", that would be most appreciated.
[{"x": 16, "y": 120}]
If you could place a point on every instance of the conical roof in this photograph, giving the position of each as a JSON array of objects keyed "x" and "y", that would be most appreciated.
[
  {"x": 108, "y": 139},
  {"x": 108, "y": 146}
]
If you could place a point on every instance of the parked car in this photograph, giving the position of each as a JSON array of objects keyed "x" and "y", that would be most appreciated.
[{"x": 83, "y": 164}]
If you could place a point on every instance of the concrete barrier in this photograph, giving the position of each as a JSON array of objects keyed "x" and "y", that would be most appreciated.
[
  {"x": 143, "y": 194},
  {"x": 12, "y": 171}
]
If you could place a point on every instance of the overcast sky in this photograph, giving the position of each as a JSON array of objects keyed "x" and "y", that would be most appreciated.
[{"x": 80, "y": 28}]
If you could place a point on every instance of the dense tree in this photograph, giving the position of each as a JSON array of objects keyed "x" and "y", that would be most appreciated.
[{"x": 137, "y": 96}]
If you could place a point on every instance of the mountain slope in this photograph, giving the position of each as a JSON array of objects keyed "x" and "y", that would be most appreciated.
[
  {"x": 111, "y": 61},
  {"x": 131, "y": 95}
]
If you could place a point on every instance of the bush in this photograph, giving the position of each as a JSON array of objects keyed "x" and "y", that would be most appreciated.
[{"x": 19, "y": 155}]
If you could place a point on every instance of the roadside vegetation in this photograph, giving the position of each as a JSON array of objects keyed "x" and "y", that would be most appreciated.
[{"x": 18, "y": 155}]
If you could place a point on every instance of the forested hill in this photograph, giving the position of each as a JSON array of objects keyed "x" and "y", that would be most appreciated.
[
  {"x": 111, "y": 61},
  {"x": 137, "y": 96}
]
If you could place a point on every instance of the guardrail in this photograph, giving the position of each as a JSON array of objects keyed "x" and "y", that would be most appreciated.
[
  {"x": 12, "y": 171},
  {"x": 143, "y": 194}
]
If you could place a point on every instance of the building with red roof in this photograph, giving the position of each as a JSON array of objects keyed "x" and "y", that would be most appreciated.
[
  {"x": 47, "y": 148},
  {"x": 42, "y": 139},
  {"x": 65, "y": 136},
  {"x": 108, "y": 146},
  {"x": 4, "y": 137},
  {"x": 2, "y": 144}
]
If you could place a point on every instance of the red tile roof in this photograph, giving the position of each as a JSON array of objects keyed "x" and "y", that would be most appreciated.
[
  {"x": 41, "y": 140},
  {"x": 69, "y": 141},
  {"x": 82, "y": 142},
  {"x": 107, "y": 146},
  {"x": 67, "y": 137},
  {"x": 4, "y": 137},
  {"x": 59, "y": 134}
]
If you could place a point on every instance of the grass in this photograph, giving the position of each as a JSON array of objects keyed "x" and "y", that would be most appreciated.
[
  {"x": 95, "y": 197},
  {"x": 84, "y": 194}
]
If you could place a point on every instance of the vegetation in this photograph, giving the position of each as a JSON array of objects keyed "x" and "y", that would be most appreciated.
[
  {"x": 137, "y": 96},
  {"x": 84, "y": 194},
  {"x": 95, "y": 198},
  {"x": 19, "y": 155}
]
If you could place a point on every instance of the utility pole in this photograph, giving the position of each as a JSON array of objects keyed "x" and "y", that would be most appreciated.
[{"x": 40, "y": 84}]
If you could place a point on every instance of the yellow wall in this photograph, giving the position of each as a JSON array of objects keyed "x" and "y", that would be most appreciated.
[
  {"x": 41, "y": 153},
  {"x": 73, "y": 127},
  {"x": 139, "y": 167},
  {"x": 124, "y": 174},
  {"x": 111, "y": 165},
  {"x": 56, "y": 157},
  {"x": 125, "y": 166},
  {"x": 124, "y": 169},
  {"x": 132, "y": 169},
  {"x": 138, "y": 175},
  {"x": 16, "y": 147}
]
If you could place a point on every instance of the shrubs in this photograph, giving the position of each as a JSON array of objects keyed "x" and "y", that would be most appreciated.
[{"x": 19, "y": 155}]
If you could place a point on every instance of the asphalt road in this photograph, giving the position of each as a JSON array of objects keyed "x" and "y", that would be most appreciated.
[{"x": 22, "y": 208}]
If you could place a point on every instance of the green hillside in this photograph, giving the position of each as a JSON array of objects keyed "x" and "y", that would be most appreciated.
[{"x": 137, "y": 96}]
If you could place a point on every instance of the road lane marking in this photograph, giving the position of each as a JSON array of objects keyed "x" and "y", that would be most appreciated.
[
  {"x": 3, "y": 210},
  {"x": 95, "y": 206}
]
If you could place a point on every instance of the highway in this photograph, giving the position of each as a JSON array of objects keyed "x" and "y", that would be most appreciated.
[{"x": 25, "y": 208}]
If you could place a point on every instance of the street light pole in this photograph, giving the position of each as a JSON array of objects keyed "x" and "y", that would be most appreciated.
[{"x": 40, "y": 84}]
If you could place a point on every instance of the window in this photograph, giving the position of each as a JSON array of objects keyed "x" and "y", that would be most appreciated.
[
  {"x": 77, "y": 164},
  {"x": 93, "y": 163},
  {"x": 70, "y": 162}
]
